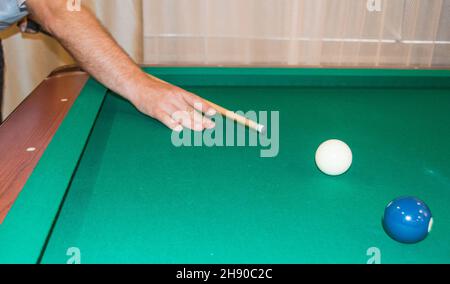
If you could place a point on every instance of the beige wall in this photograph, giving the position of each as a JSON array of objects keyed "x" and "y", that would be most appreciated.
[{"x": 28, "y": 60}]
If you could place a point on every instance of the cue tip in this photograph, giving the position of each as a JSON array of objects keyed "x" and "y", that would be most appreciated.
[{"x": 261, "y": 129}]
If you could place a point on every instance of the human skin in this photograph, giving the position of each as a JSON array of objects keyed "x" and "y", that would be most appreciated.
[{"x": 99, "y": 54}]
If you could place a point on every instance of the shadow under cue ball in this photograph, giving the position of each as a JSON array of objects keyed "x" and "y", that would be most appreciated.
[{"x": 334, "y": 157}]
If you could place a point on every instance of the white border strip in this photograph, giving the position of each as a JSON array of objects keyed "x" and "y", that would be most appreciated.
[{"x": 352, "y": 40}]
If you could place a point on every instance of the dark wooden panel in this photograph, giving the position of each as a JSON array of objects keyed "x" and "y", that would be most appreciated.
[
  {"x": 2, "y": 74},
  {"x": 26, "y": 133}
]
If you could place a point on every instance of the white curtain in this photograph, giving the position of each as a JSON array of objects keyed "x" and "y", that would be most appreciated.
[{"x": 402, "y": 33}]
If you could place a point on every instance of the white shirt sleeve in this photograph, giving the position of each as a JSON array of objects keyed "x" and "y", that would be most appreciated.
[{"x": 11, "y": 11}]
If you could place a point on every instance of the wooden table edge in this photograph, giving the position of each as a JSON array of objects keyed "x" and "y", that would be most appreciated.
[{"x": 27, "y": 132}]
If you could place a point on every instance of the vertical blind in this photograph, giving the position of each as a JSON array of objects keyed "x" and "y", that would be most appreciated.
[{"x": 401, "y": 33}]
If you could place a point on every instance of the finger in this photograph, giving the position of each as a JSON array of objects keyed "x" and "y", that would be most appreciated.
[
  {"x": 199, "y": 104},
  {"x": 181, "y": 115},
  {"x": 185, "y": 118},
  {"x": 208, "y": 123},
  {"x": 182, "y": 105},
  {"x": 168, "y": 121},
  {"x": 199, "y": 121},
  {"x": 195, "y": 120}
]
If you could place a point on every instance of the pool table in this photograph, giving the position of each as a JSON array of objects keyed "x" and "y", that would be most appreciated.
[{"x": 82, "y": 170}]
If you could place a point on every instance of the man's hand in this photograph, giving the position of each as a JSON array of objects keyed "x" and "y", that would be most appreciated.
[
  {"x": 174, "y": 107},
  {"x": 97, "y": 53}
]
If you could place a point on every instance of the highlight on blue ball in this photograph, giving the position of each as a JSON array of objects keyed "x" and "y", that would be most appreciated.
[{"x": 407, "y": 220}]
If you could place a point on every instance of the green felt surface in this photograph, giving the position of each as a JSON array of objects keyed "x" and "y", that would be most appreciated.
[
  {"x": 135, "y": 198},
  {"x": 132, "y": 197},
  {"x": 27, "y": 226}
]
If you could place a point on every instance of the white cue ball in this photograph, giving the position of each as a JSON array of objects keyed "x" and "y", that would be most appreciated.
[{"x": 334, "y": 157}]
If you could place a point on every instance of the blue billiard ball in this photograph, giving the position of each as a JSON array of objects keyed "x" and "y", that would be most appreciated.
[{"x": 407, "y": 220}]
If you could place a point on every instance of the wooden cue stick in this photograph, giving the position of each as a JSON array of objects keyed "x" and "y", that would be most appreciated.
[
  {"x": 228, "y": 114},
  {"x": 236, "y": 117}
]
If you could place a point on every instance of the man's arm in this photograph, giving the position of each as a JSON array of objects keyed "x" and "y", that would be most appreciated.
[{"x": 97, "y": 53}]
